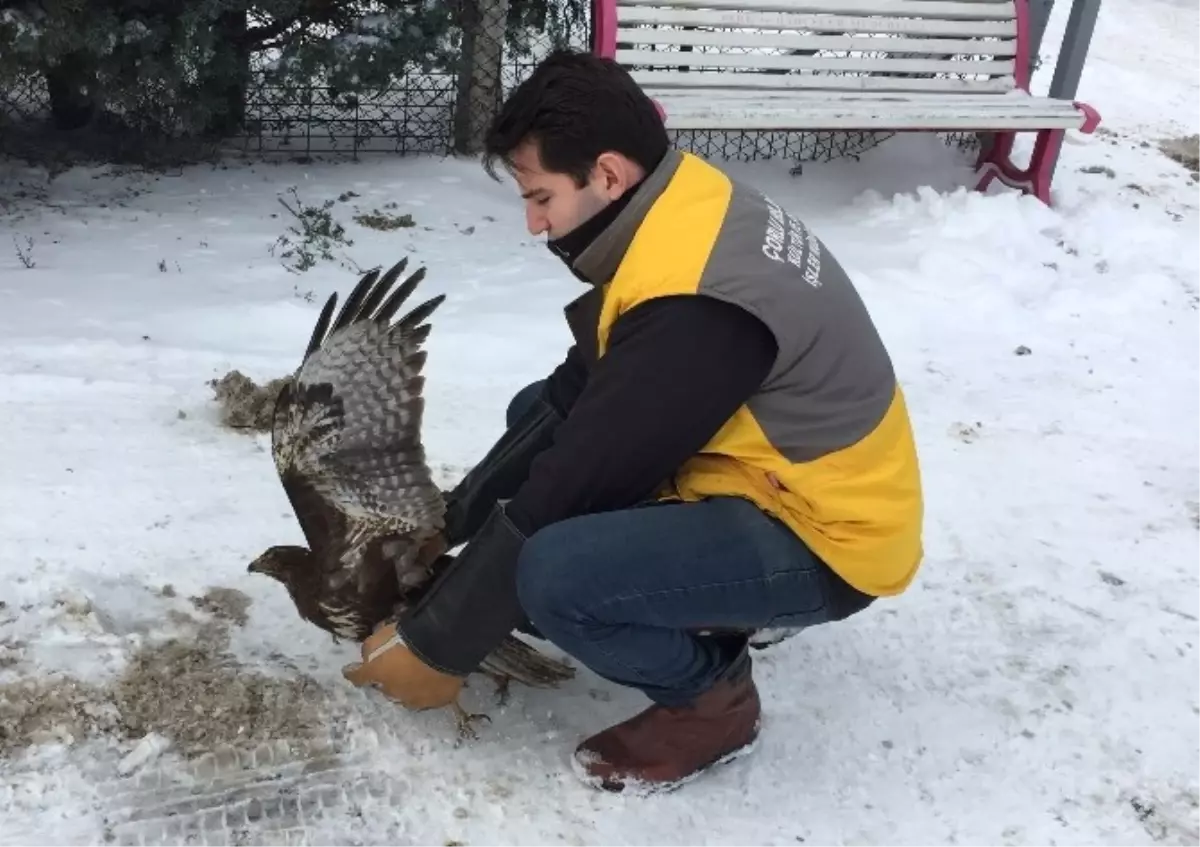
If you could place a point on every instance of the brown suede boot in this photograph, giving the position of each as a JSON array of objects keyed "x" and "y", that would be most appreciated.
[{"x": 662, "y": 748}]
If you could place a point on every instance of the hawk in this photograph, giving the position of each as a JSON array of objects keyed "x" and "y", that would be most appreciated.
[{"x": 346, "y": 441}]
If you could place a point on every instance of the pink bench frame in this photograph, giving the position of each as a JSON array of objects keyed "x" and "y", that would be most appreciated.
[{"x": 994, "y": 162}]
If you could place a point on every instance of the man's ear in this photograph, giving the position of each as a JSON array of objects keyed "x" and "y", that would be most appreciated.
[{"x": 614, "y": 174}]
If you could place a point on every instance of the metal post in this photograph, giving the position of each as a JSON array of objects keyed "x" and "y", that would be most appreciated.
[
  {"x": 1039, "y": 16},
  {"x": 1069, "y": 68},
  {"x": 1071, "y": 57}
]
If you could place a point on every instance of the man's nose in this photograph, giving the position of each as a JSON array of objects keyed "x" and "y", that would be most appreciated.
[{"x": 535, "y": 221}]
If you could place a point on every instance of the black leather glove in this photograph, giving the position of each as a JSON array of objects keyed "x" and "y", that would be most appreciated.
[
  {"x": 472, "y": 605},
  {"x": 500, "y": 473}
]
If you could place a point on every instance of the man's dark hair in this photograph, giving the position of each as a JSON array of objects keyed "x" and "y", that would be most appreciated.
[{"x": 576, "y": 106}]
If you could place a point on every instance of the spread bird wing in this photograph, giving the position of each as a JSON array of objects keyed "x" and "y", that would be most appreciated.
[
  {"x": 346, "y": 440},
  {"x": 346, "y": 433}
]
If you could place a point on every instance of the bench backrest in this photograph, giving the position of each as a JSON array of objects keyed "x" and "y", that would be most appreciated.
[{"x": 775, "y": 46}]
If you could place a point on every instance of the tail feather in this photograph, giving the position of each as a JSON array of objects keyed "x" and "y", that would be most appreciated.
[{"x": 518, "y": 660}]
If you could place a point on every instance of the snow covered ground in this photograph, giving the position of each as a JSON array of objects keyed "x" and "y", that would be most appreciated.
[{"x": 1038, "y": 684}]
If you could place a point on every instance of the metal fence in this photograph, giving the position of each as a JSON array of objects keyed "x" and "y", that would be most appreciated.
[
  {"x": 497, "y": 44},
  {"x": 420, "y": 113}
]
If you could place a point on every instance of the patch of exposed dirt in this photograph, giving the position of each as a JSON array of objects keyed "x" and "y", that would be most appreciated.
[
  {"x": 189, "y": 689},
  {"x": 245, "y": 404},
  {"x": 197, "y": 696},
  {"x": 62, "y": 709},
  {"x": 1185, "y": 150},
  {"x": 227, "y": 604},
  {"x": 384, "y": 221}
]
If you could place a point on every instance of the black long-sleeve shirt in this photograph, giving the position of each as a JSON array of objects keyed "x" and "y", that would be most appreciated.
[{"x": 676, "y": 369}]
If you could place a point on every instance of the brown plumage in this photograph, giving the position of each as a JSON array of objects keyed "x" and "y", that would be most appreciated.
[{"x": 346, "y": 440}]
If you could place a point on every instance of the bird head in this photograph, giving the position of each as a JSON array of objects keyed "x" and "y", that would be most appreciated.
[{"x": 281, "y": 562}]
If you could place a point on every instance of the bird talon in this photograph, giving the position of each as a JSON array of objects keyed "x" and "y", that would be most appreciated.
[
  {"x": 464, "y": 720},
  {"x": 502, "y": 690}
]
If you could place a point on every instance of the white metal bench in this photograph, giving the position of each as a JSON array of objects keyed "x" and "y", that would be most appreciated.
[{"x": 897, "y": 65}]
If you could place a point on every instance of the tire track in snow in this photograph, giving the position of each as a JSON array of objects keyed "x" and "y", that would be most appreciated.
[
  {"x": 294, "y": 790},
  {"x": 270, "y": 794}
]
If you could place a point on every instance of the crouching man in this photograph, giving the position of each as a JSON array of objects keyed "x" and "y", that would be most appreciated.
[{"x": 724, "y": 449}]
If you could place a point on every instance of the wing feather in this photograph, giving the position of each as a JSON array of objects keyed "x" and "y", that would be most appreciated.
[
  {"x": 346, "y": 434},
  {"x": 322, "y": 326},
  {"x": 367, "y": 310}
]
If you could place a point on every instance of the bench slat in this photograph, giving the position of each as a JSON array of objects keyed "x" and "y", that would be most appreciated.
[
  {"x": 859, "y": 101},
  {"x": 864, "y": 114},
  {"x": 787, "y": 41},
  {"x": 827, "y": 82},
  {"x": 832, "y": 23},
  {"x": 940, "y": 98},
  {"x": 849, "y": 64},
  {"x": 934, "y": 9}
]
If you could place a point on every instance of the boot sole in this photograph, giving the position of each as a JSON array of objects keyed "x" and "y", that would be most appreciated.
[{"x": 631, "y": 786}]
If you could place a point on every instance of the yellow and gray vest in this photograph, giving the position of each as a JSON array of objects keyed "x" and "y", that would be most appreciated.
[{"x": 826, "y": 444}]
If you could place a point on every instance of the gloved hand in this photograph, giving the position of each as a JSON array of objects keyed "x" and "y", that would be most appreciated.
[{"x": 390, "y": 666}]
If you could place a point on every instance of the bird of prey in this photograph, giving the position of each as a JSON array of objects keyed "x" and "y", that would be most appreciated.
[{"x": 346, "y": 441}]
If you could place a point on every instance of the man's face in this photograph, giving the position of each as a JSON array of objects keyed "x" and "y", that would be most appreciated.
[{"x": 554, "y": 204}]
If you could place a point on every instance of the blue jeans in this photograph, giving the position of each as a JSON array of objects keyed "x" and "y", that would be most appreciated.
[{"x": 627, "y": 592}]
